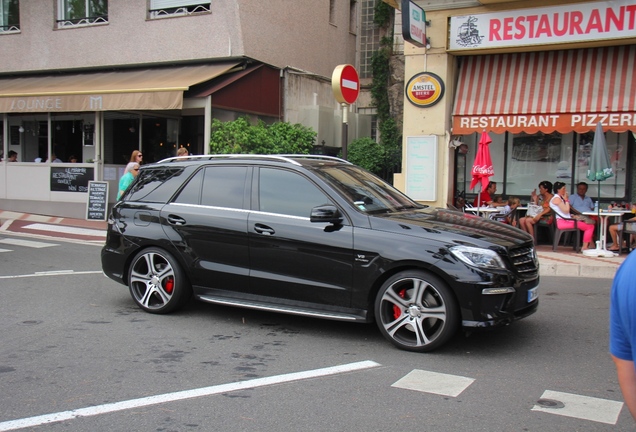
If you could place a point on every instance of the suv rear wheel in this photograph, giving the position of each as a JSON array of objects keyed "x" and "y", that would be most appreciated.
[
  {"x": 416, "y": 311},
  {"x": 156, "y": 281}
]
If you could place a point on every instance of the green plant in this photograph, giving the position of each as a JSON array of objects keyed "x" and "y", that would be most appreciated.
[{"x": 240, "y": 137}]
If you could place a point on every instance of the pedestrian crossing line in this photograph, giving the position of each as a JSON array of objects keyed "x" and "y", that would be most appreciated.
[
  {"x": 551, "y": 402},
  {"x": 27, "y": 243},
  {"x": 581, "y": 407},
  {"x": 66, "y": 229},
  {"x": 434, "y": 382}
]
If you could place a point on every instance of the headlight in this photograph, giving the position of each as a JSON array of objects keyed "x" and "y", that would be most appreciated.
[{"x": 478, "y": 257}]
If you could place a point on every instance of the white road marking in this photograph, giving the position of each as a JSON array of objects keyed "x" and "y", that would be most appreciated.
[
  {"x": 66, "y": 229},
  {"x": 186, "y": 394},
  {"x": 433, "y": 382},
  {"x": 582, "y": 407},
  {"x": 27, "y": 243},
  {"x": 52, "y": 273},
  {"x": 5, "y": 250}
]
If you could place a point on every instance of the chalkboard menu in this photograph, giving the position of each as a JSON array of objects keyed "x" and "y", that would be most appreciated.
[
  {"x": 70, "y": 179},
  {"x": 97, "y": 207}
]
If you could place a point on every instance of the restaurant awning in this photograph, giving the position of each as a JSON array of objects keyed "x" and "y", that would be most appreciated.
[
  {"x": 158, "y": 88},
  {"x": 562, "y": 91}
]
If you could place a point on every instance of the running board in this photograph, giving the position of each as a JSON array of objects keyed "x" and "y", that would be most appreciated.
[{"x": 338, "y": 316}]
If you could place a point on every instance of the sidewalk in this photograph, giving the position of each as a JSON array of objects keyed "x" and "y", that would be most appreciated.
[{"x": 564, "y": 262}]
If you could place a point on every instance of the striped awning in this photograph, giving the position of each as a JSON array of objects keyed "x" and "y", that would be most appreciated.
[{"x": 548, "y": 91}]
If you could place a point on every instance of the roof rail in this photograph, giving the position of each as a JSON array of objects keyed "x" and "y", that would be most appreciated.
[{"x": 279, "y": 157}]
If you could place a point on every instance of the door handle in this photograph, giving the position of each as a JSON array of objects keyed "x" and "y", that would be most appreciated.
[
  {"x": 176, "y": 220},
  {"x": 263, "y": 229}
]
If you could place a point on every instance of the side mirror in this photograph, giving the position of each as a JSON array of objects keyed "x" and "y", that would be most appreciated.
[{"x": 326, "y": 213}]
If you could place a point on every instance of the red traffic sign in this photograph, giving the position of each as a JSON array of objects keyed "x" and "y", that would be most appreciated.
[{"x": 345, "y": 83}]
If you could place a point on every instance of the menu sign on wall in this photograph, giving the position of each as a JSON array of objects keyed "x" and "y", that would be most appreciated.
[
  {"x": 541, "y": 26},
  {"x": 70, "y": 179}
]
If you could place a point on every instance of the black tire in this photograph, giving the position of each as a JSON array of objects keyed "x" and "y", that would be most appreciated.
[
  {"x": 416, "y": 311},
  {"x": 157, "y": 283}
]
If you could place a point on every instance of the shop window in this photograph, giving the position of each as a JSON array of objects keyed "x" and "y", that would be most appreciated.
[
  {"x": 9, "y": 16},
  {"x": 170, "y": 8},
  {"x": 521, "y": 161},
  {"x": 77, "y": 13}
]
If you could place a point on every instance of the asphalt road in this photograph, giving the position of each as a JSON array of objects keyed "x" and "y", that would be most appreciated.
[{"x": 77, "y": 352}]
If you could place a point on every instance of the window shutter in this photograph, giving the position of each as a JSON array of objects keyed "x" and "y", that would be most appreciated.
[{"x": 168, "y": 4}]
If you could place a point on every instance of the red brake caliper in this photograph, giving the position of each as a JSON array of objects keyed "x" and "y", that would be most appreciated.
[
  {"x": 169, "y": 285},
  {"x": 397, "y": 311}
]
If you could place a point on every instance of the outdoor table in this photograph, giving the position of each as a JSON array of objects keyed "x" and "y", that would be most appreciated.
[
  {"x": 483, "y": 211},
  {"x": 601, "y": 248}
]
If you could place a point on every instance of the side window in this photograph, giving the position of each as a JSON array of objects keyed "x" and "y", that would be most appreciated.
[
  {"x": 73, "y": 13},
  {"x": 224, "y": 186},
  {"x": 9, "y": 16},
  {"x": 288, "y": 193},
  {"x": 191, "y": 192}
]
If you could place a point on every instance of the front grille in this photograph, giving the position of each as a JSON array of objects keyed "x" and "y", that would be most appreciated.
[{"x": 523, "y": 260}]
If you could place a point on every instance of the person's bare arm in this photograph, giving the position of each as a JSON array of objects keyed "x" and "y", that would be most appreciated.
[{"x": 627, "y": 380}]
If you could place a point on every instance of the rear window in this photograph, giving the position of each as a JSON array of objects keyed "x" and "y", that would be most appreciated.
[{"x": 156, "y": 184}]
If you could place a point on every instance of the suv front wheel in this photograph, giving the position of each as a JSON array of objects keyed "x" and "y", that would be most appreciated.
[
  {"x": 156, "y": 281},
  {"x": 416, "y": 311}
]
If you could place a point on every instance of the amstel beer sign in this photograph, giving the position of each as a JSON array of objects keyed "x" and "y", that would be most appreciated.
[{"x": 425, "y": 89}]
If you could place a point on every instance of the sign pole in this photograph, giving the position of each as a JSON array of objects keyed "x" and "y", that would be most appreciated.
[{"x": 345, "y": 130}]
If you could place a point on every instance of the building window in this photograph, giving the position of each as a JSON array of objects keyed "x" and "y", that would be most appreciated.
[
  {"x": 353, "y": 16},
  {"x": 369, "y": 38},
  {"x": 9, "y": 16},
  {"x": 170, "y": 8},
  {"x": 76, "y": 13},
  {"x": 332, "y": 12}
]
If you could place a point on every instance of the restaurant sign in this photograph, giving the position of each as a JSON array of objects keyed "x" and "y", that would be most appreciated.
[
  {"x": 546, "y": 123},
  {"x": 547, "y": 25}
]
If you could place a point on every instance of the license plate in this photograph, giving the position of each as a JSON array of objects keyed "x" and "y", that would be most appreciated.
[{"x": 533, "y": 294}]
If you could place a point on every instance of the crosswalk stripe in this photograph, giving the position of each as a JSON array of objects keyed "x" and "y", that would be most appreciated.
[
  {"x": 66, "y": 229},
  {"x": 26, "y": 243},
  {"x": 577, "y": 406},
  {"x": 434, "y": 382}
]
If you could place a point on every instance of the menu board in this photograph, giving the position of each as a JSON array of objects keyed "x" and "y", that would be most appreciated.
[
  {"x": 421, "y": 167},
  {"x": 70, "y": 179},
  {"x": 97, "y": 206}
]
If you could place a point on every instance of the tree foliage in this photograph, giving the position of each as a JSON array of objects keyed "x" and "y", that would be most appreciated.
[{"x": 241, "y": 137}]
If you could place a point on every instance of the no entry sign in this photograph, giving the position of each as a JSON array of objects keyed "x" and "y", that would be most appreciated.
[{"x": 345, "y": 83}]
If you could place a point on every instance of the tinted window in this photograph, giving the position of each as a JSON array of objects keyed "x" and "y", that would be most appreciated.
[
  {"x": 286, "y": 192},
  {"x": 191, "y": 192},
  {"x": 156, "y": 184},
  {"x": 224, "y": 186}
]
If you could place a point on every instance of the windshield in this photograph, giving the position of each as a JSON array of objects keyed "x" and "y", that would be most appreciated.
[{"x": 367, "y": 192}]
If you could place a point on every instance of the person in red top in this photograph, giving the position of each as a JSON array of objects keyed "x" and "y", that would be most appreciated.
[{"x": 485, "y": 197}]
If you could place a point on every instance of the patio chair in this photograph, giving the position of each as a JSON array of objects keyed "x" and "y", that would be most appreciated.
[
  {"x": 546, "y": 225},
  {"x": 629, "y": 228},
  {"x": 557, "y": 234}
]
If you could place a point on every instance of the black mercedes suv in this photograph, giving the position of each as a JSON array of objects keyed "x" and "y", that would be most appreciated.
[{"x": 319, "y": 237}]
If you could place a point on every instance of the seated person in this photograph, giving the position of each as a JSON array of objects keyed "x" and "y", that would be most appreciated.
[
  {"x": 527, "y": 223},
  {"x": 504, "y": 215},
  {"x": 560, "y": 204},
  {"x": 614, "y": 229},
  {"x": 484, "y": 198},
  {"x": 581, "y": 201}
]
